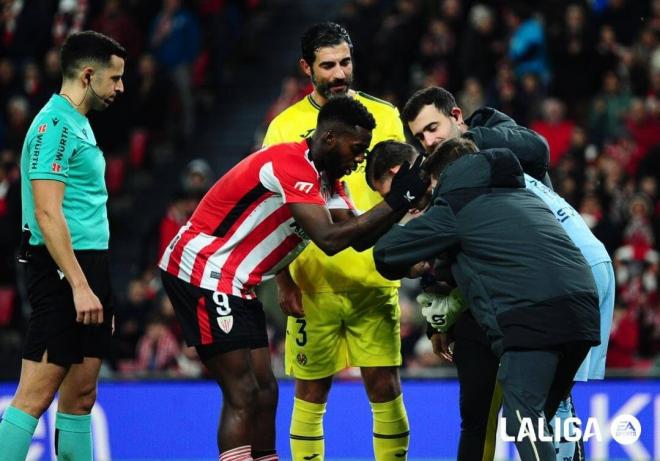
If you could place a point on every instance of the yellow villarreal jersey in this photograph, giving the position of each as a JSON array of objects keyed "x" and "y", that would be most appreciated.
[{"x": 349, "y": 270}]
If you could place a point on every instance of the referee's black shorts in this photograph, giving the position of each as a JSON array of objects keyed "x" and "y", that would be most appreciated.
[{"x": 52, "y": 327}]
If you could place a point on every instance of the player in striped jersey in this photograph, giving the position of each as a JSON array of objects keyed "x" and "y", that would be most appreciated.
[{"x": 253, "y": 222}]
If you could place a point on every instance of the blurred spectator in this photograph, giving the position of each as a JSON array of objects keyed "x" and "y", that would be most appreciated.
[
  {"x": 25, "y": 27},
  {"x": 636, "y": 263},
  {"x": 572, "y": 52},
  {"x": 150, "y": 106},
  {"x": 624, "y": 18},
  {"x": 178, "y": 213},
  {"x": 648, "y": 185},
  {"x": 116, "y": 23},
  {"x": 480, "y": 45},
  {"x": 451, "y": 11},
  {"x": 10, "y": 222},
  {"x": 591, "y": 211},
  {"x": 608, "y": 52},
  {"x": 644, "y": 128},
  {"x": 502, "y": 94},
  {"x": 8, "y": 83},
  {"x": 531, "y": 95},
  {"x": 292, "y": 90},
  {"x": 175, "y": 39},
  {"x": 471, "y": 97},
  {"x": 11, "y": 316},
  {"x": 437, "y": 51},
  {"x": 197, "y": 177},
  {"x": 166, "y": 311},
  {"x": 52, "y": 75},
  {"x": 577, "y": 164},
  {"x": 638, "y": 232},
  {"x": 411, "y": 330},
  {"x": 71, "y": 17},
  {"x": 399, "y": 36},
  {"x": 362, "y": 19},
  {"x": 18, "y": 122},
  {"x": 33, "y": 86},
  {"x": 624, "y": 338},
  {"x": 655, "y": 15},
  {"x": 555, "y": 129},
  {"x": 625, "y": 151},
  {"x": 158, "y": 350},
  {"x": 641, "y": 56},
  {"x": 131, "y": 317},
  {"x": 527, "y": 43},
  {"x": 608, "y": 108}
]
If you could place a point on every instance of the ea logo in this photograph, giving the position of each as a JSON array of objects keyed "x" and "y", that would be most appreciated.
[{"x": 625, "y": 429}]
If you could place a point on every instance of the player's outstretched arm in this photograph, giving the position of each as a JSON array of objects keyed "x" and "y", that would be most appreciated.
[
  {"x": 366, "y": 241},
  {"x": 421, "y": 239},
  {"x": 332, "y": 237}
]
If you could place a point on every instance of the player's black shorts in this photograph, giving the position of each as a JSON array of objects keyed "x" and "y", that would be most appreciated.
[
  {"x": 216, "y": 322},
  {"x": 52, "y": 327}
]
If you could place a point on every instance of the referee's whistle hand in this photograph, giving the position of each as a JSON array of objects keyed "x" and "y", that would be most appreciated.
[{"x": 89, "y": 310}]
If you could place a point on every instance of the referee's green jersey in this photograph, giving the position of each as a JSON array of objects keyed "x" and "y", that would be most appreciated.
[{"x": 61, "y": 146}]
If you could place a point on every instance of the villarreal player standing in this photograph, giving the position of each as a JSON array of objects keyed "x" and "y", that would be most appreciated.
[{"x": 342, "y": 313}]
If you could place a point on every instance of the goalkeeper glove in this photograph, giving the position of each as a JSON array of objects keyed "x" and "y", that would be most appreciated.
[
  {"x": 441, "y": 312},
  {"x": 407, "y": 186}
]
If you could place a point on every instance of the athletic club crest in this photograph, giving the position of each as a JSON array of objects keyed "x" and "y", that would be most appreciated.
[{"x": 226, "y": 323}]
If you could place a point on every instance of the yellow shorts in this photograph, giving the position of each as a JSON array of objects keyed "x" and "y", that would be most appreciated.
[{"x": 340, "y": 330}]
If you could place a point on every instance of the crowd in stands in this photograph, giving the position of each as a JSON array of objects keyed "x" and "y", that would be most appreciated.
[
  {"x": 178, "y": 52},
  {"x": 584, "y": 74}
]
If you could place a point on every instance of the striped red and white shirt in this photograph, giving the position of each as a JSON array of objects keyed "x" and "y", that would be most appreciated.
[{"x": 242, "y": 232}]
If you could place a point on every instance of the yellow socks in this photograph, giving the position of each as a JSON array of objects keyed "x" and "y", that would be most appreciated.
[
  {"x": 391, "y": 430},
  {"x": 306, "y": 432}
]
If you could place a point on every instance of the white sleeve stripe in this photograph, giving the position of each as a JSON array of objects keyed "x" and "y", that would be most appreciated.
[{"x": 269, "y": 180}]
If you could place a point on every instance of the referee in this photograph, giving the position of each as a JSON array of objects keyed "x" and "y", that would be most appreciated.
[{"x": 66, "y": 236}]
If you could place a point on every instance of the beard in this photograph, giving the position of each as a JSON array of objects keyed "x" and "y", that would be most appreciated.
[
  {"x": 333, "y": 167},
  {"x": 325, "y": 88}
]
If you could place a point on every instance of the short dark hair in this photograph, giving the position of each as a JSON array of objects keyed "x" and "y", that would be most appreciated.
[
  {"x": 386, "y": 155},
  {"x": 439, "y": 97},
  {"x": 321, "y": 35},
  {"x": 447, "y": 152},
  {"x": 87, "y": 46},
  {"x": 345, "y": 111}
]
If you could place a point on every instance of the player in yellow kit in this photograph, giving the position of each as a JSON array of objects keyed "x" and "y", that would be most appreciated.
[{"x": 342, "y": 313}]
